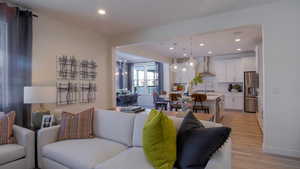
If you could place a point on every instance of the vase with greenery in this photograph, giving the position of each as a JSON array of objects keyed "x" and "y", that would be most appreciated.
[{"x": 195, "y": 81}]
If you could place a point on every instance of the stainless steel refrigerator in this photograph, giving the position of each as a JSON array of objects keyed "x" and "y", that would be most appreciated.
[{"x": 250, "y": 91}]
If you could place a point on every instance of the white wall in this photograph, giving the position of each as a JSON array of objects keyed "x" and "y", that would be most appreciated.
[
  {"x": 52, "y": 38},
  {"x": 167, "y": 79},
  {"x": 280, "y": 24}
]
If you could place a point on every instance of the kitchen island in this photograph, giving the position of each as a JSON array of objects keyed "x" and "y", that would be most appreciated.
[{"x": 215, "y": 102}]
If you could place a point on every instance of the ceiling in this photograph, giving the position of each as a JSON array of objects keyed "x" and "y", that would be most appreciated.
[
  {"x": 130, "y": 58},
  {"x": 131, "y": 15},
  {"x": 220, "y": 43}
]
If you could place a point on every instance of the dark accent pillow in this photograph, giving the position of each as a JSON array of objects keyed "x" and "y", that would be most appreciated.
[{"x": 196, "y": 144}]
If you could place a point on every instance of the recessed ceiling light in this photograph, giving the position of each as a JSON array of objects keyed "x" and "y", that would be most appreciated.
[
  {"x": 238, "y": 49},
  {"x": 209, "y": 52},
  {"x": 175, "y": 67},
  {"x": 192, "y": 64},
  {"x": 184, "y": 69},
  {"x": 171, "y": 48},
  {"x": 202, "y": 44},
  {"x": 101, "y": 12},
  {"x": 237, "y": 39},
  {"x": 184, "y": 54}
]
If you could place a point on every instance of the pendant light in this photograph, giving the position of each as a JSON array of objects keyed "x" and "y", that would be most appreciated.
[
  {"x": 191, "y": 60},
  {"x": 183, "y": 65},
  {"x": 174, "y": 66}
]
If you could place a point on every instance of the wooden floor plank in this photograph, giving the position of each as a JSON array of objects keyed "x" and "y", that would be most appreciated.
[{"x": 247, "y": 145}]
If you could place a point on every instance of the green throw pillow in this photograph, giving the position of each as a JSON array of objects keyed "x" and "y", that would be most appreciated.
[{"x": 159, "y": 140}]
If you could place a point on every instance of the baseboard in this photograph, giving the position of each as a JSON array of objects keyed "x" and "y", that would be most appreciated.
[{"x": 279, "y": 151}]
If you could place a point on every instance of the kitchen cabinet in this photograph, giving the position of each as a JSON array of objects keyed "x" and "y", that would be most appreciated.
[
  {"x": 229, "y": 70},
  {"x": 220, "y": 68},
  {"x": 249, "y": 64},
  {"x": 234, "y": 101}
]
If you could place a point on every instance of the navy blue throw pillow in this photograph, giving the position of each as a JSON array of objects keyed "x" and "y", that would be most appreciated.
[{"x": 196, "y": 144}]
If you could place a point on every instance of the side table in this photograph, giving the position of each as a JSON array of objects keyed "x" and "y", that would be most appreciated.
[{"x": 35, "y": 130}]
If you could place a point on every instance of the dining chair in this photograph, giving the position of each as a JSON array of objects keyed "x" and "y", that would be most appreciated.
[
  {"x": 159, "y": 102},
  {"x": 198, "y": 103},
  {"x": 174, "y": 101}
]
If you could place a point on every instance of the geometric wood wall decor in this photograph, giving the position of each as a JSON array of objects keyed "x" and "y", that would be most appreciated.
[
  {"x": 67, "y": 92},
  {"x": 75, "y": 80},
  {"x": 88, "y": 70},
  {"x": 66, "y": 67},
  {"x": 87, "y": 92}
]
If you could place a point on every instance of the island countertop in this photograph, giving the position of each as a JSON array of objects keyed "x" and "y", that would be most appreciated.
[{"x": 213, "y": 96}]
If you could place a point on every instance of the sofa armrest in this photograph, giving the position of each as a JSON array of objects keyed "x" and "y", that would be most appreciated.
[
  {"x": 210, "y": 124},
  {"x": 221, "y": 158},
  {"x": 26, "y": 138},
  {"x": 46, "y": 136}
]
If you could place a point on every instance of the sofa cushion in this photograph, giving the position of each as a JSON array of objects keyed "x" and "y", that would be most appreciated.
[
  {"x": 139, "y": 123},
  {"x": 77, "y": 125},
  {"x": 6, "y": 128},
  {"x": 82, "y": 153},
  {"x": 10, "y": 153},
  {"x": 159, "y": 140},
  {"x": 196, "y": 144},
  {"x": 116, "y": 126},
  {"x": 132, "y": 158}
]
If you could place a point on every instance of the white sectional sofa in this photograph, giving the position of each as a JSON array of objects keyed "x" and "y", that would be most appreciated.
[
  {"x": 20, "y": 155},
  {"x": 118, "y": 145}
]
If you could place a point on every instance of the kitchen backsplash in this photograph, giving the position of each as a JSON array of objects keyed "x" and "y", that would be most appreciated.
[{"x": 210, "y": 83}]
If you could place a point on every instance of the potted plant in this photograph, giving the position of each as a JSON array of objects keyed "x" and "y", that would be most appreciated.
[{"x": 195, "y": 81}]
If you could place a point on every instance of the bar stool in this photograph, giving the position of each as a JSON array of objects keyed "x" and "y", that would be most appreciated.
[
  {"x": 174, "y": 101},
  {"x": 198, "y": 103},
  {"x": 158, "y": 102}
]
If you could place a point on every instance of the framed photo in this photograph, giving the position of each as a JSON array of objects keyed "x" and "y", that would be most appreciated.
[{"x": 47, "y": 121}]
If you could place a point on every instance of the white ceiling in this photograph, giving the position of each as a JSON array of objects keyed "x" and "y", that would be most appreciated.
[
  {"x": 131, "y": 15},
  {"x": 130, "y": 58},
  {"x": 220, "y": 43}
]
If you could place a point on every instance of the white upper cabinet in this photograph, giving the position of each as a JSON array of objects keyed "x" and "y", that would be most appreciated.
[
  {"x": 220, "y": 68},
  {"x": 229, "y": 70},
  {"x": 249, "y": 64},
  {"x": 232, "y": 70}
]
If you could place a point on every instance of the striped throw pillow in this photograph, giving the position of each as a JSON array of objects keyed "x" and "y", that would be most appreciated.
[
  {"x": 76, "y": 126},
  {"x": 6, "y": 128}
]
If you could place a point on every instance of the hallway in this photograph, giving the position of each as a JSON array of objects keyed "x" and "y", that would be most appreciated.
[{"x": 247, "y": 145}]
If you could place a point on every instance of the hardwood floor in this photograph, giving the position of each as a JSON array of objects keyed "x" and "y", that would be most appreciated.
[{"x": 247, "y": 145}]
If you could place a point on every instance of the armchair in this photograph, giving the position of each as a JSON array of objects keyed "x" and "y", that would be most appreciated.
[{"x": 20, "y": 155}]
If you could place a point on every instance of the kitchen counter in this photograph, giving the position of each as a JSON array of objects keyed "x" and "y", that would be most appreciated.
[
  {"x": 215, "y": 102},
  {"x": 213, "y": 96}
]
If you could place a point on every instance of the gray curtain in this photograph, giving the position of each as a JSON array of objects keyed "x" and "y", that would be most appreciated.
[
  {"x": 130, "y": 76},
  {"x": 160, "y": 71},
  {"x": 15, "y": 61},
  {"x": 120, "y": 77}
]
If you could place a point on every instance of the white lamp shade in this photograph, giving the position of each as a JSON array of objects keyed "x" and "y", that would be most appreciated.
[{"x": 37, "y": 94}]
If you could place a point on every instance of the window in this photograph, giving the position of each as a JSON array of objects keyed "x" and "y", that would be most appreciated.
[{"x": 145, "y": 78}]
